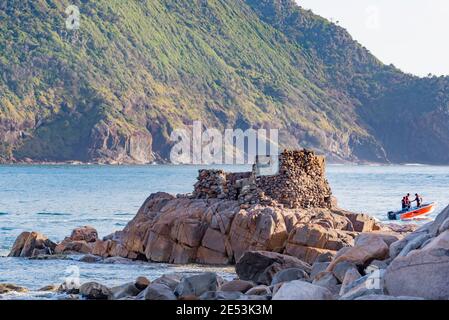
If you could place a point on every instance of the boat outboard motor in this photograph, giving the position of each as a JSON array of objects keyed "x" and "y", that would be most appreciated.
[{"x": 392, "y": 216}]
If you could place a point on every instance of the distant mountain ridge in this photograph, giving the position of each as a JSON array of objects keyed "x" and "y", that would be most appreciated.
[{"x": 113, "y": 91}]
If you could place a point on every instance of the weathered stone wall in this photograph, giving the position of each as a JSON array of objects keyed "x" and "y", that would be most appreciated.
[
  {"x": 211, "y": 184},
  {"x": 300, "y": 183},
  {"x": 219, "y": 184}
]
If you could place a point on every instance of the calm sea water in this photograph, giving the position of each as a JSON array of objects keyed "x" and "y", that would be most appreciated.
[{"x": 55, "y": 199}]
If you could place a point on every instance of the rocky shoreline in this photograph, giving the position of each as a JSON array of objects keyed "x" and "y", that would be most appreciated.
[
  {"x": 379, "y": 266},
  {"x": 291, "y": 245}
]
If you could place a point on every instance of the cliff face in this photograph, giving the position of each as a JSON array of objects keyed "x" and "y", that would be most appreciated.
[{"x": 114, "y": 90}]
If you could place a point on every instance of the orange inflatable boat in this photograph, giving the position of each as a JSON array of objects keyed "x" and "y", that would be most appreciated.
[{"x": 413, "y": 213}]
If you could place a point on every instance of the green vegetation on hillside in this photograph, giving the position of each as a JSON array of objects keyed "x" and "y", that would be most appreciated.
[{"x": 113, "y": 90}]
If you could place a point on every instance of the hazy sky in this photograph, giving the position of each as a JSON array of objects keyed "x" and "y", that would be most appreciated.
[{"x": 411, "y": 34}]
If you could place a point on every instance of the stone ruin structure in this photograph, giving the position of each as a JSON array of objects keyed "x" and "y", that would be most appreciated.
[{"x": 299, "y": 183}]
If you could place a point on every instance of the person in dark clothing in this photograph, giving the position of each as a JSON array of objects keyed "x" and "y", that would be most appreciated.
[
  {"x": 404, "y": 203},
  {"x": 407, "y": 198},
  {"x": 418, "y": 200}
]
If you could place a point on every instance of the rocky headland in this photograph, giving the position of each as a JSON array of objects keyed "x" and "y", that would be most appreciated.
[{"x": 285, "y": 235}]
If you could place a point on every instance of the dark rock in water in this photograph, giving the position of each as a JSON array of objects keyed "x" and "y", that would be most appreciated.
[
  {"x": 67, "y": 287},
  {"x": 261, "y": 266},
  {"x": 90, "y": 258},
  {"x": 237, "y": 286},
  {"x": 8, "y": 287},
  {"x": 49, "y": 288},
  {"x": 291, "y": 274},
  {"x": 30, "y": 244},
  {"x": 125, "y": 290},
  {"x": 197, "y": 285},
  {"x": 95, "y": 291},
  {"x": 51, "y": 257},
  {"x": 158, "y": 291},
  {"x": 117, "y": 260}
]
